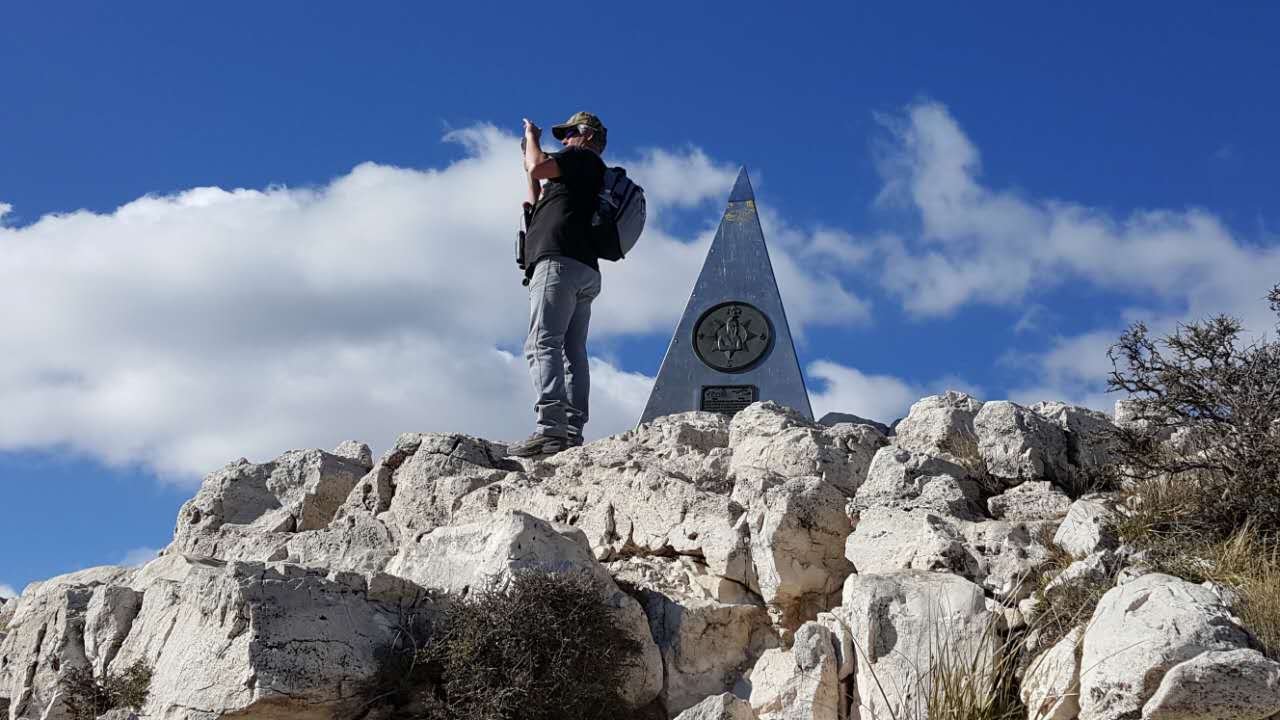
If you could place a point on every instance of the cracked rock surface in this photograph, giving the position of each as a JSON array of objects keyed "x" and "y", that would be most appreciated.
[{"x": 769, "y": 566}]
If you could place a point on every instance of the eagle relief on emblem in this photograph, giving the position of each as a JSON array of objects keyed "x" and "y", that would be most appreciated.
[{"x": 732, "y": 337}]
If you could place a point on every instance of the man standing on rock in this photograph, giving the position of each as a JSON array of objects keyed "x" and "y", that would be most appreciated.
[{"x": 563, "y": 275}]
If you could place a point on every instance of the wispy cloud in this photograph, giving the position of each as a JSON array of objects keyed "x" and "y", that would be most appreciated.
[
  {"x": 139, "y": 556},
  {"x": 7, "y": 591}
]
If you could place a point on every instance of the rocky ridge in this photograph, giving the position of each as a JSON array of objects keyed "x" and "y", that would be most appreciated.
[{"x": 769, "y": 567}]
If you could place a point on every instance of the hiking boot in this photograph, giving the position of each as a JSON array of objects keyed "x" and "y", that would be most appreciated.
[
  {"x": 575, "y": 441},
  {"x": 537, "y": 445}
]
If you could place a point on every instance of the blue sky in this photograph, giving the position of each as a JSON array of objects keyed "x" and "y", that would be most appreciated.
[{"x": 239, "y": 228}]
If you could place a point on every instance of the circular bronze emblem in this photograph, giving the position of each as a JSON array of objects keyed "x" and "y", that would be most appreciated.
[{"x": 732, "y": 337}]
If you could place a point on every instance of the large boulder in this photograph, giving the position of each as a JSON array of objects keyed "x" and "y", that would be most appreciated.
[
  {"x": 1091, "y": 442},
  {"x": 943, "y": 426},
  {"x": 459, "y": 560},
  {"x": 1031, "y": 500},
  {"x": 1139, "y": 632},
  {"x": 905, "y": 622},
  {"x": 900, "y": 477},
  {"x": 776, "y": 442},
  {"x": 266, "y": 640},
  {"x": 1017, "y": 445},
  {"x": 709, "y": 630},
  {"x": 801, "y": 682},
  {"x": 798, "y": 532},
  {"x": 998, "y": 555},
  {"x": 246, "y": 511},
  {"x": 662, "y": 489},
  {"x": 1227, "y": 684}
]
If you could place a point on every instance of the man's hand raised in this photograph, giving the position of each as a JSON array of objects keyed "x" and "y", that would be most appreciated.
[{"x": 532, "y": 132}]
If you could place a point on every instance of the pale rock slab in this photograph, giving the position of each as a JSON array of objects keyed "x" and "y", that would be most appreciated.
[
  {"x": 1017, "y": 445},
  {"x": 263, "y": 640},
  {"x": 724, "y": 706},
  {"x": 1086, "y": 528},
  {"x": 801, "y": 682},
  {"x": 356, "y": 451},
  {"x": 662, "y": 489},
  {"x": 943, "y": 426},
  {"x": 1090, "y": 435},
  {"x": 1140, "y": 631},
  {"x": 770, "y": 441},
  {"x": 1228, "y": 685},
  {"x": 797, "y": 534},
  {"x": 464, "y": 559},
  {"x": 1051, "y": 685},
  {"x": 709, "y": 630},
  {"x": 901, "y": 623},
  {"x": 1001, "y": 556},
  {"x": 247, "y": 510},
  {"x": 900, "y": 477},
  {"x": 1031, "y": 500}
]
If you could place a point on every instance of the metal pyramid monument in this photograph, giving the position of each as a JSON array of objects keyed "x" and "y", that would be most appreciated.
[{"x": 733, "y": 346}]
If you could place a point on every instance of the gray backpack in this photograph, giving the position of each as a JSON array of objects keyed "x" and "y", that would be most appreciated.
[{"x": 619, "y": 217}]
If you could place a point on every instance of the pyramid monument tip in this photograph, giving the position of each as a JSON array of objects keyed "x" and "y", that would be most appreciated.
[{"x": 742, "y": 187}]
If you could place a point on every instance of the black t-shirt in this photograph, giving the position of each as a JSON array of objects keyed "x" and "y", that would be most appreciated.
[{"x": 561, "y": 223}]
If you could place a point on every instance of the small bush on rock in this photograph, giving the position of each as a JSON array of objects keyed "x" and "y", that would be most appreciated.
[
  {"x": 546, "y": 647},
  {"x": 1205, "y": 414},
  {"x": 87, "y": 697}
]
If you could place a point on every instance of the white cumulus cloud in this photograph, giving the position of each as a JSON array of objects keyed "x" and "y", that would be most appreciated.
[
  {"x": 186, "y": 330},
  {"x": 139, "y": 556},
  {"x": 7, "y": 591},
  {"x": 981, "y": 245}
]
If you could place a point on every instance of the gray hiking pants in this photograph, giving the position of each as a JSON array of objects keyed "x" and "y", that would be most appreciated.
[{"x": 560, "y": 295}]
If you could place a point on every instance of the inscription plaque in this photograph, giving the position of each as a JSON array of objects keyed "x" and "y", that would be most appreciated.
[{"x": 728, "y": 399}]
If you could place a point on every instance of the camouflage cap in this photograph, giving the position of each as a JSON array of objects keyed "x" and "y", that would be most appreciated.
[{"x": 579, "y": 118}]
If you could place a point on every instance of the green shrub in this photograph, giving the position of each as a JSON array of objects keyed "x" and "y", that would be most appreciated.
[{"x": 87, "y": 697}]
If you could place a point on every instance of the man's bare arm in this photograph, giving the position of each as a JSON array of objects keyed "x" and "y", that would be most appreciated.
[{"x": 537, "y": 163}]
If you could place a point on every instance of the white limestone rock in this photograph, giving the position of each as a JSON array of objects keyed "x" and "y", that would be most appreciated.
[
  {"x": 897, "y": 621},
  {"x": 1093, "y": 569},
  {"x": 1031, "y": 500},
  {"x": 356, "y": 451},
  {"x": 483, "y": 556},
  {"x": 1090, "y": 440},
  {"x": 942, "y": 426},
  {"x": 1224, "y": 684},
  {"x": 900, "y": 477},
  {"x": 770, "y": 441},
  {"x": 1086, "y": 528},
  {"x": 710, "y": 631},
  {"x": 247, "y": 510},
  {"x": 1017, "y": 445},
  {"x": 1051, "y": 685},
  {"x": 797, "y": 534},
  {"x": 272, "y": 640},
  {"x": 1140, "y": 631},
  {"x": 1001, "y": 556},
  {"x": 724, "y": 706},
  {"x": 662, "y": 489},
  {"x": 801, "y": 682}
]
